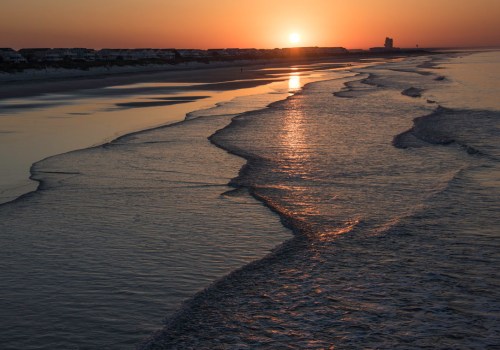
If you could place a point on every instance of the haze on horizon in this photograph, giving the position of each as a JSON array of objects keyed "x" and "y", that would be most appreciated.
[{"x": 247, "y": 23}]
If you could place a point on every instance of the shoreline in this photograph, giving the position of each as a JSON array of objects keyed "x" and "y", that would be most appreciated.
[
  {"x": 62, "y": 80},
  {"x": 189, "y": 311},
  {"x": 218, "y": 85},
  {"x": 223, "y": 78},
  {"x": 223, "y": 288},
  {"x": 189, "y": 317},
  {"x": 159, "y": 242}
]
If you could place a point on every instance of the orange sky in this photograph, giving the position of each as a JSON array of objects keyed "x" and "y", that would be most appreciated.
[{"x": 247, "y": 23}]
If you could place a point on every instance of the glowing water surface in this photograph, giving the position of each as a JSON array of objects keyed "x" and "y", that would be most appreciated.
[
  {"x": 117, "y": 236},
  {"x": 396, "y": 244}
]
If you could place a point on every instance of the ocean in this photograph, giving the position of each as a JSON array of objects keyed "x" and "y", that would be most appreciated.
[{"x": 359, "y": 210}]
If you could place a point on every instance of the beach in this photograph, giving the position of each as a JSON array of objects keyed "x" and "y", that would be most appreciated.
[
  {"x": 179, "y": 167},
  {"x": 34, "y": 82},
  {"x": 46, "y": 117},
  {"x": 394, "y": 245},
  {"x": 249, "y": 175},
  {"x": 279, "y": 212}
]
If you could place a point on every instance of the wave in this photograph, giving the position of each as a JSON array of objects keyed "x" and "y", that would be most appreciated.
[
  {"x": 353, "y": 88},
  {"x": 314, "y": 291},
  {"x": 472, "y": 130},
  {"x": 195, "y": 310},
  {"x": 155, "y": 185}
]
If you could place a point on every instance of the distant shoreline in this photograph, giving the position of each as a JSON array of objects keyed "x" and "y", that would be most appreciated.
[{"x": 52, "y": 80}]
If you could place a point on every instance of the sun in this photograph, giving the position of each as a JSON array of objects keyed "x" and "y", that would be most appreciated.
[{"x": 294, "y": 38}]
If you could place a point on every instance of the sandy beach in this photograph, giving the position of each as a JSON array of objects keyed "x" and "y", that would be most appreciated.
[
  {"x": 41, "y": 118},
  {"x": 249, "y": 175},
  {"x": 32, "y": 83},
  {"x": 59, "y": 110}
]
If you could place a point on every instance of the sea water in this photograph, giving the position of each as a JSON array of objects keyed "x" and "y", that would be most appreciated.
[
  {"x": 386, "y": 205},
  {"x": 390, "y": 184},
  {"x": 41, "y": 126},
  {"x": 117, "y": 236}
]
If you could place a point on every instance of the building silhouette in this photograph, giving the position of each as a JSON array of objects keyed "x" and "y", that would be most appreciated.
[{"x": 389, "y": 43}]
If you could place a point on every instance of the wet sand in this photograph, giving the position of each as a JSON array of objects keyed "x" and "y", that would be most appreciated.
[
  {"x": 44, "y": 118},
  {"x": 153, "y": 103},
  {"x": 270, "y": 70}
]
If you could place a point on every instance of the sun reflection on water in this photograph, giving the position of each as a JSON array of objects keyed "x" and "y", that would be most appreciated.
[
  {"x": 293, "y": 138},
  {"x": 294, "y": 82}
]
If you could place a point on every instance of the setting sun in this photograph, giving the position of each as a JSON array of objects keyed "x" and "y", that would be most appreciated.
[{"x": 294, "y": 38}]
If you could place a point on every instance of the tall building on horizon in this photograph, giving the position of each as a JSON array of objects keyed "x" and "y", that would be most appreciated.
[{"x": 389, "y": 43}]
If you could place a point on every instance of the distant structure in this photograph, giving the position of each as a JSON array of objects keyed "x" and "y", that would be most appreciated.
[
  {"x": 11, "y": 56},
  {"x": 388, "y": 47},
  {"x": 389, "y": 43},
  {"x": 84, "y": 58},
  {"x": 67, "y": 56}
]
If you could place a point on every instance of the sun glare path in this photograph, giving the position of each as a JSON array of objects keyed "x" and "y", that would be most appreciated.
[{"x": 294, "y": 82}]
